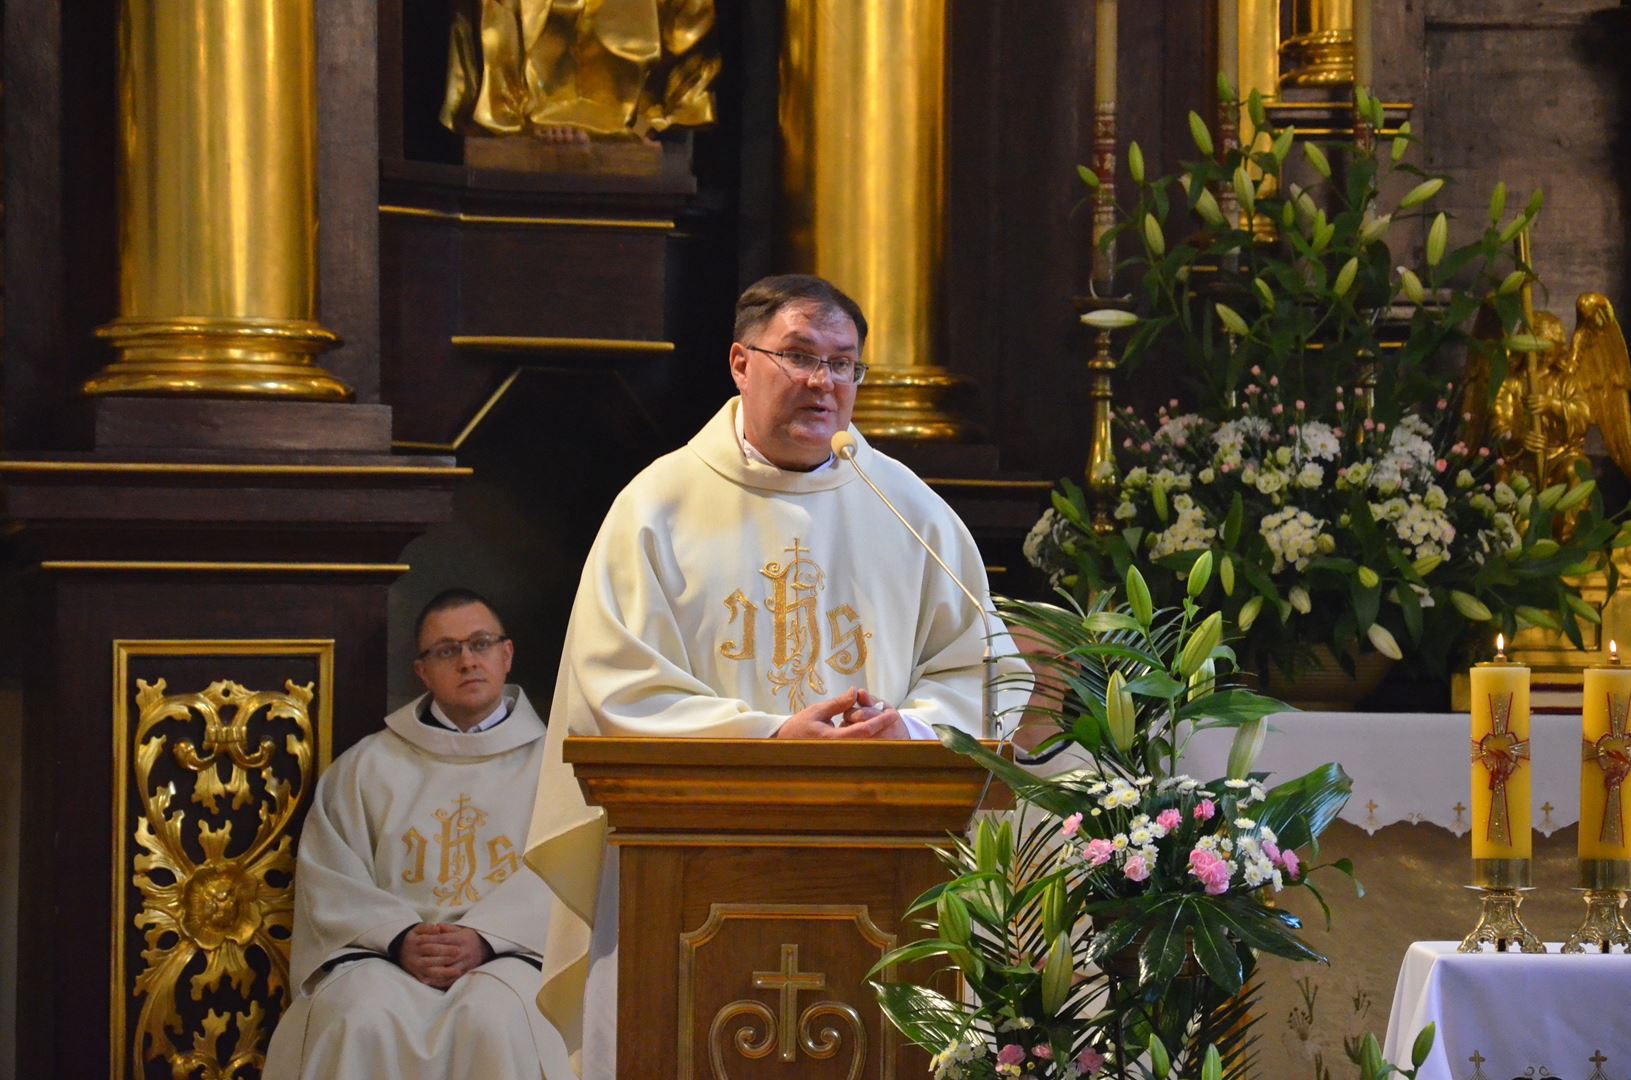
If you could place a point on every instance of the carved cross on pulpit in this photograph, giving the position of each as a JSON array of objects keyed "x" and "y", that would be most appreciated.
[{"x": 789, "y": 980}]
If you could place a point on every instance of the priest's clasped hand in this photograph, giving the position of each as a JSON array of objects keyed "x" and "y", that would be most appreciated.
[
  {"x": 854, "y": 714},
  {"x": 439, "y": 954}
]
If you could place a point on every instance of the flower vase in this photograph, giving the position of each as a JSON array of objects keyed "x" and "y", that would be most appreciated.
[{"x": 1324, "y": 685}]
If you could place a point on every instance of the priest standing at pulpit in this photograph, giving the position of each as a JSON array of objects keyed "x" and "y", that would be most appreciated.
[{"x": 750, "y": 585}]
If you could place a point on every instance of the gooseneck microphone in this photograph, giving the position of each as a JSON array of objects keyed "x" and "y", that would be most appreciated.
[{"x": 843, "y": 445}]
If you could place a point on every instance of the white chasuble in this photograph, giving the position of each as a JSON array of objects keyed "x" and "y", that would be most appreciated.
[
  {"x": 420, "y": 824},
  {"x": 720, "y": 596}
]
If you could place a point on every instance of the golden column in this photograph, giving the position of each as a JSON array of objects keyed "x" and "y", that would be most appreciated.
[
  {"x": 862, "y": 119},
  {"x": 217, "y": 203},
  {"x": 1320, "y": 51}
]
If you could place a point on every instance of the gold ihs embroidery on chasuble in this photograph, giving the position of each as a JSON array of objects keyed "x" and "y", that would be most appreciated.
[
  {"x": 798, "y": 649},
  {"x": 458, "y": 842}
]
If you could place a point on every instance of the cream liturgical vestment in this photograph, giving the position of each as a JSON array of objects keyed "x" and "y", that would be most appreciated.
[
  {"x": 722, "y": 595},
  {"x": 420, "y": 824}
]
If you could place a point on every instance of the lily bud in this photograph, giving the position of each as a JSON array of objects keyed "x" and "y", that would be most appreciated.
[
  {"x": 1160, "y": 1060},
  {"x": 1244, "y": 192},
  {"x": 1384, "y": 642},
  {"x": 1135, "y": 163},
  {"x": 1497, "y": 203},
  {"x": 1412, "y": 287},
  {"x": 1316, "y": 158},
  {"x": 1152, "y": 236},
  {"x": 1057, "y": 975},
  {"x": 1300, "y": 599},
  {"x": 1421, "y": 193},
  {"x": 1226, "y": 575},
  {"x": 1263, "y": 291},
  {"x": 1438, "y": 235},
  {"x": 1121, "y": 714},
  {"x": 1548, "y": 498},
  {"x": 1368, "y": 577},
  {"x": 1322, "y": 235},
  {"x": 1204, "y": 681},
  {"x": 1282, "y": 144},
  {"x": 1198, "y": 132},
  {"x": 1207, "y": 207},
  {"x": 1089, "y": 177},
  {"x": 1138, "y": 597},
  {"x": 1053, "y": 908},
  {"x": 1158, "y": 501},
  {"x": 1582, "y": 609},
  {"x": 1544, "y": 548},
  {"x": 1427, "y": 564},
  {"x": 1533, "y": 616},
  {"x": 1200, "y": 574},
  {"x": 1345, "y": 277},
  {"x": 1248, "y": 613},
  {"x": 955, "y": 925},
  {"x": 1470, "y": 606},
  {"x": 1577, "y": 495},
  {"x": 1401, "y": 142},
  {"x": 1374, "y": 228},
  {"x": 1254, "y": 109},
  {"x": 1232, "y": 322},
  {"x": 1202, "y": 640},
  {"x": 1512, "y": 283},
  {"x": 1248, "y": 743},
  {"x": 985, "y": 847}
]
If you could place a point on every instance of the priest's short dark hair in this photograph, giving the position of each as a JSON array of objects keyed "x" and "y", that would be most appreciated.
[
  {"x": 760, "y": 301},
  {"x": 448, "y": 599}
]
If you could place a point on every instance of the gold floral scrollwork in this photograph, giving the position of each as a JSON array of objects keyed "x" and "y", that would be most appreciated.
[{"x": 224, "y": 906}]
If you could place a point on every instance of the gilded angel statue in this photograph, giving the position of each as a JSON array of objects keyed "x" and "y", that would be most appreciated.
[
  {"x": 1550, "y": 400},
  {"x": 607, "y": 67}
]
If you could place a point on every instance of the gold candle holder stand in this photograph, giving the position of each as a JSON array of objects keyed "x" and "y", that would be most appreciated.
[
  {"x": 1606, "y": 884},
  {"x": 1501, "y": 883}
]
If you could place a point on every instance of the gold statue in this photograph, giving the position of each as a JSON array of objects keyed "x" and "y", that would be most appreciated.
[
  {"x": 1550, "y": 400},
  {"x": 606, "y": 67}
]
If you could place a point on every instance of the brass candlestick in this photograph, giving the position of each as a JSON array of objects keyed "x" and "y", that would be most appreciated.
[
  {"x": 1605, "y": 883},
  {"x": 1502, "y": 883}
]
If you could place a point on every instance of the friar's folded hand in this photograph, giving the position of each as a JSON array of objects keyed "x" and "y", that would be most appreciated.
[
  {"x": 826, "y": 720},
  {"x": 884, "y": 716},
  {"x": 439, "y": 954}
]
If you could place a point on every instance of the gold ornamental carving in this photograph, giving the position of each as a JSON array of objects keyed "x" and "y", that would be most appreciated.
[
  {"x": 747, "y": 1029},
  {"x": 215, "y": 915},
  {"x": 218, "y": 203}
]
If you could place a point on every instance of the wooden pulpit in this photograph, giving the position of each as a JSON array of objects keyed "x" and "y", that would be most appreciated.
[{"x": 760, "y": 881}]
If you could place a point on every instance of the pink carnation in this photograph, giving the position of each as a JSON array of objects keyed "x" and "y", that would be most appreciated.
[
  {"x": 1169, "y": 818},
  {"x": 1205, "y": 810},
  {"x": 1043, "y": 1051},
  {"x": 1012, "y": 1054},
  {"x": 1071, "y": 824},
  {"x": 1288, "y": 860},
  {"x": 1089, "y": 1061},
  {"x": 1136, "y": 868},
  {"x": 1099, "y": 851},
  {"x": 1211, "y": 871},
  {"x": 1271, "y": 851}
]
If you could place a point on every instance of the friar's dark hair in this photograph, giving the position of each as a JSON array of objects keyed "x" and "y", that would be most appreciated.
[
  {"x": 760, "y": 302},
  {"x": 453, "y": 598}
]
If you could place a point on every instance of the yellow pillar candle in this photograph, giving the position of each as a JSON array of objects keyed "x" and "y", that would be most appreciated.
[
  {"x": 1229, "y": 42},
  {"x": 1364, "y": 47},
  {"x": 1605, "y": 760},
  {"x": 1500, "y": 760},
  {"x": 1104, "y": 53}
]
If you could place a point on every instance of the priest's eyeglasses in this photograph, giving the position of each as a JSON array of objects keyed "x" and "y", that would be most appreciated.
[
  {"x": 843, "y": 369},
  {"x": 446, "y": 652}
]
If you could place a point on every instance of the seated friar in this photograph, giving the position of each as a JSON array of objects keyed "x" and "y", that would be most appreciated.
[{"x": 417, "y": 932}]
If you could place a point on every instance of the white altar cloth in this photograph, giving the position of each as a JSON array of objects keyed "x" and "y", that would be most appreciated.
[
  {"x": 1502, "y": 1015},
  {"x": 1405, "y": 766}
]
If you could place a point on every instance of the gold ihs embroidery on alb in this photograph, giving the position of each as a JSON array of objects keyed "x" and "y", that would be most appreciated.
[
  {"x": 796, "y": 654},
  {"x": 458, "y": 862}
]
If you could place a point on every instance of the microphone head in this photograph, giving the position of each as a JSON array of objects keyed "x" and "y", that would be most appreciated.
[{"x": 843, "y": 444}]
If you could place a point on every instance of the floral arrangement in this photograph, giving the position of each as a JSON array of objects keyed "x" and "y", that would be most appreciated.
[
  {"x": 1125, "y": 903},
  {"x": 1322, "y": 465}
]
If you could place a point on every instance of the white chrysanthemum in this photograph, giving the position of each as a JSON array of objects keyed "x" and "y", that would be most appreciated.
[
  {"x": 1293, "y": 537},
  {"x": 1188, "y": 533},
  {"x": 1320, "y": 440}
]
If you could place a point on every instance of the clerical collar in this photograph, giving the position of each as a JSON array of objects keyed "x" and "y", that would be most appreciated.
[
  {"x": 751, "y": 452},
  {"x": 494, "y": 718}
]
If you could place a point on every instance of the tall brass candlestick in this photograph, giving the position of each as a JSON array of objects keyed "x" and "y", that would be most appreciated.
[{"x": 1104, "y": 141}]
